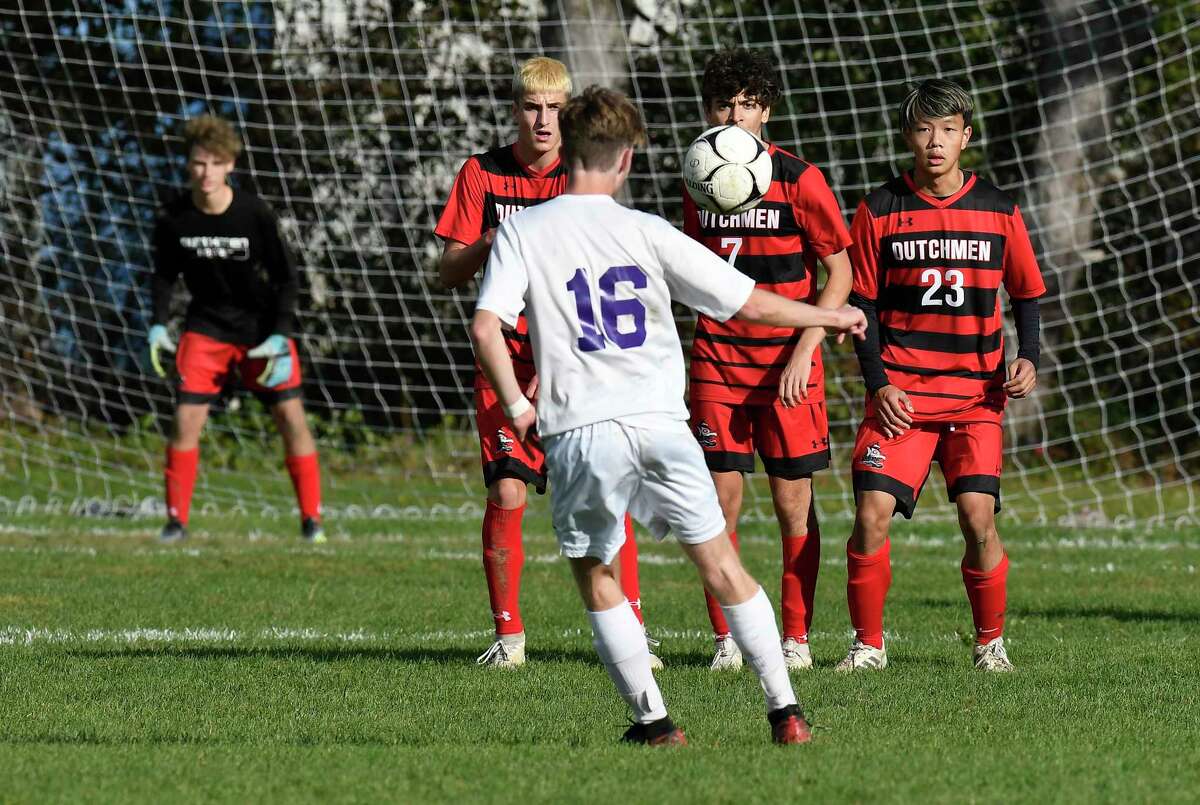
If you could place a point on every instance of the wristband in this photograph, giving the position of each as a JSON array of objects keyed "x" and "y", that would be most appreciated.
[{"x": 519, "y": 407}]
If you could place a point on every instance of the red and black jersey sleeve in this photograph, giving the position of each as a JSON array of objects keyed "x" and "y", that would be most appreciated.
[
  {"x": 777, "y": 244},
  {"x": 490, "y": 187},
  {"x": 934, "y": 267}
]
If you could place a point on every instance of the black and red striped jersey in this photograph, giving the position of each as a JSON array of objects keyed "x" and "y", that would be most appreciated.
[
  {"x": 490, "y": 187},
  {"x": 934, "y": 267},
  {"x": 777, "y": 244}
]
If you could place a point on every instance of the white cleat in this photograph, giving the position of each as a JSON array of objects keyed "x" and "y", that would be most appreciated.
[
  {"x": 991, "y": 656},
  {"x": 728, "y": 656},
  {"x": 796, "y": 655},
  {"x": 863, "y": 657},
  {"x": 656, "y": 663},
  {"x": 507, "y": 652}
]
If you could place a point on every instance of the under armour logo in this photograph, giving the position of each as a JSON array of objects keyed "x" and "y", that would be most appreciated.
[{"x": 906, "y": 221}]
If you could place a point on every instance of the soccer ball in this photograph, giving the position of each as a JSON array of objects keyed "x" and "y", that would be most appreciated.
[{"x": 727, "y": 170}]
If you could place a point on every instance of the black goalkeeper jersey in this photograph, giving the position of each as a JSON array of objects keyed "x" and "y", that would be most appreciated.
[{"x": 240, "y": 274}]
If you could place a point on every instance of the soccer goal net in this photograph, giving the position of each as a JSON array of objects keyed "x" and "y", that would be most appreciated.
[{"x": 358, "y": 113}]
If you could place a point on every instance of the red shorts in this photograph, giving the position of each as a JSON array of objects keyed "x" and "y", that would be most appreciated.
[
  {"x": 792, "y": 442},
  {"x": 205, "y": 364},
  {"x": 502, "y": 455},
  {"x": 970, "y": 455}
]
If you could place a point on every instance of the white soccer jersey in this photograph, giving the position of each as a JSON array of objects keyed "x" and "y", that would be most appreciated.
[{"x": 595, "y": 281}]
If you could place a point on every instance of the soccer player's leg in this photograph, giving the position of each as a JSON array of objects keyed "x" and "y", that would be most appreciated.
[
  {"x": 508, "y": 466},
  {"x": 595, "y": 472},
  {"x": 203, "y": 366},
  {"x": 793, "y": 444},
  {"x": 629, "y": 579},
  {"x": 888, "y": 477},
  {"x": 724, "y": 433},
  {"x": 285, "y": 402},
  {"x": 971, "y": 456},
  {"x": 675, "y": 496}
]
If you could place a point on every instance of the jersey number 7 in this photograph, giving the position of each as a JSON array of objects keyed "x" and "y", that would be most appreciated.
[{"x": 612, "y": 309}]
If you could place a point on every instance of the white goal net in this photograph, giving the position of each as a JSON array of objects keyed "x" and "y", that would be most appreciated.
[{"x": 358, "y": 113}]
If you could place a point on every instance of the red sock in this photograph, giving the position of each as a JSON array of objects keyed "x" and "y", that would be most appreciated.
[
  {"x": 629, "y": 570},
  {"x": 503, "y": 556},
  {"x": 180, "y": 478},
  {"x": 801, "y": 562},
  {"x": 306, "y": 480},
  {"x": 715, "y": 615},
  {"x": 987, "y": 590},
  {"x": 867, "y": 583}
]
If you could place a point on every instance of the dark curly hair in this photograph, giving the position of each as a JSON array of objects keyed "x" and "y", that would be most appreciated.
[{"x": 739, "y": 70}]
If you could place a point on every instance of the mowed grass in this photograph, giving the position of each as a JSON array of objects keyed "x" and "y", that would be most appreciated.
[{"x": 246, "y": 666}]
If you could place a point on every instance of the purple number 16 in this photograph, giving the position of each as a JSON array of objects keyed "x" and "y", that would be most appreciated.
[{"x": 611, "y": 308}]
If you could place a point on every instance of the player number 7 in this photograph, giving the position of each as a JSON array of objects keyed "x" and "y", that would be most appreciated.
[{"x": 736, "y": 243}]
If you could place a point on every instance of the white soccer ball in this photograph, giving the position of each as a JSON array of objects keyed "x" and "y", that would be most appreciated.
[{"x": 727, "y": 170}]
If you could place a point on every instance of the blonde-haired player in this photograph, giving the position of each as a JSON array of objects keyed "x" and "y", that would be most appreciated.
[{"x": 490, "y": 187}]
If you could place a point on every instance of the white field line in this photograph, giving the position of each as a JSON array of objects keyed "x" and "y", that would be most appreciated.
[{"x": 210, "y": 635}]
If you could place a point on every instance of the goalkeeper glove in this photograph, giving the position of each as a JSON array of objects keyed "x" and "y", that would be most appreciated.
[
  {"x": 279, "y": 360},
  {"x": 159, "y": 341}
]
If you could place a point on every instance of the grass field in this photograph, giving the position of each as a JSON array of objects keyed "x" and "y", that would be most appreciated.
[{"x": 245, "y": 666}]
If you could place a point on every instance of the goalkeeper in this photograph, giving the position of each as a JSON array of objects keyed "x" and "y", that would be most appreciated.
[{"x": 243, "y": 284}]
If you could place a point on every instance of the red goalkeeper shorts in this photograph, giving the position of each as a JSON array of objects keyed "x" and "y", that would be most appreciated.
[
  {"x": 503, "y": 456},
  {"x": 969, "y": 453},
  {"x": 792, "y": 442},
  {"x": 206, "y": 364}
]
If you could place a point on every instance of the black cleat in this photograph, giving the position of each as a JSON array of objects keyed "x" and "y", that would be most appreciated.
[
  {"x": 657, "y": 733},
  {"x": 173, "y": 531},
  {"x": 311, "y": 531}
]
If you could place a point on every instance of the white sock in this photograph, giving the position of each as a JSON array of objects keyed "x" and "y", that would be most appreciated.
[
  {"x": 752, "y": 624},
  {"x": 621, "y": 644}
]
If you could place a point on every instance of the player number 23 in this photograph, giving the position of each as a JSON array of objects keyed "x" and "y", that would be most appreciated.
[
  {"x": 954, "y": 296},
  {"x": 612, "y": 309}
]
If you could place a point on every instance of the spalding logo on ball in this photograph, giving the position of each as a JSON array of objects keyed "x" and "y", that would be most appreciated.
[{"x": 727, "y": 170}]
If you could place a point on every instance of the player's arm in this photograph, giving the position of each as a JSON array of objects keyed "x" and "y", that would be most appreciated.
[
  {"x": 764, "y": 307},
  {"x": 1023, "y": 279},
  {"x": 793, "y": 383},
  {"x": 490, "y": 350},
  {"x": 461, "y": 261},
  {"x": 893, "y": 409},
  {"x": 162, "y": 285}
]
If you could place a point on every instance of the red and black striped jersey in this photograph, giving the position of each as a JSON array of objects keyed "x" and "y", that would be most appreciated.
[
  {"x": 777, "y": 244},
  {"x": 934, "y": 267},
  {"x": 489, "y": 188}
]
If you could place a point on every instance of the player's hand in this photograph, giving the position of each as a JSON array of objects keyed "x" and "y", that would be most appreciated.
[
  {"x": 850, "y": 320},
  {"x": 1022, "y": 377},
  {"x": 793, "y": 383},
  {"x": 159, "y": 342},
  {"x": 278, "y": 353},
  {"x": 525, "y": 424},
  {"x": 893, "y": 410},
  {"x": 532, "y": 389}
]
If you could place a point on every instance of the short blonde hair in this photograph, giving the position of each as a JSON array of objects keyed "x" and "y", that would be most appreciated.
[
  {"x": 539, "y": 75},
  {"x": 213, "y": 134},
  {"x": 597, "y": 125}
]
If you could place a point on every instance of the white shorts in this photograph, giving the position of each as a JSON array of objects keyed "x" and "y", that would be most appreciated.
[{"x": 601, "y": 471}]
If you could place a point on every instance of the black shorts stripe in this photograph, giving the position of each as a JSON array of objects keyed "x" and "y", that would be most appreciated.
[
  {"x": 942, "y": 342},
  {"x": 509, "y": 467},
  {"x": 906, "y": 496},
  {"x": 271, "y": 398},
  {"x": 987, "y": 484},
  {"x": 738, "y": 364},
  {"x": 730, "y": 385},
  {"x": 793, "y": 469},
  {"x": 197, "y": 398},
  {"x": 725, "y": 461}
]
